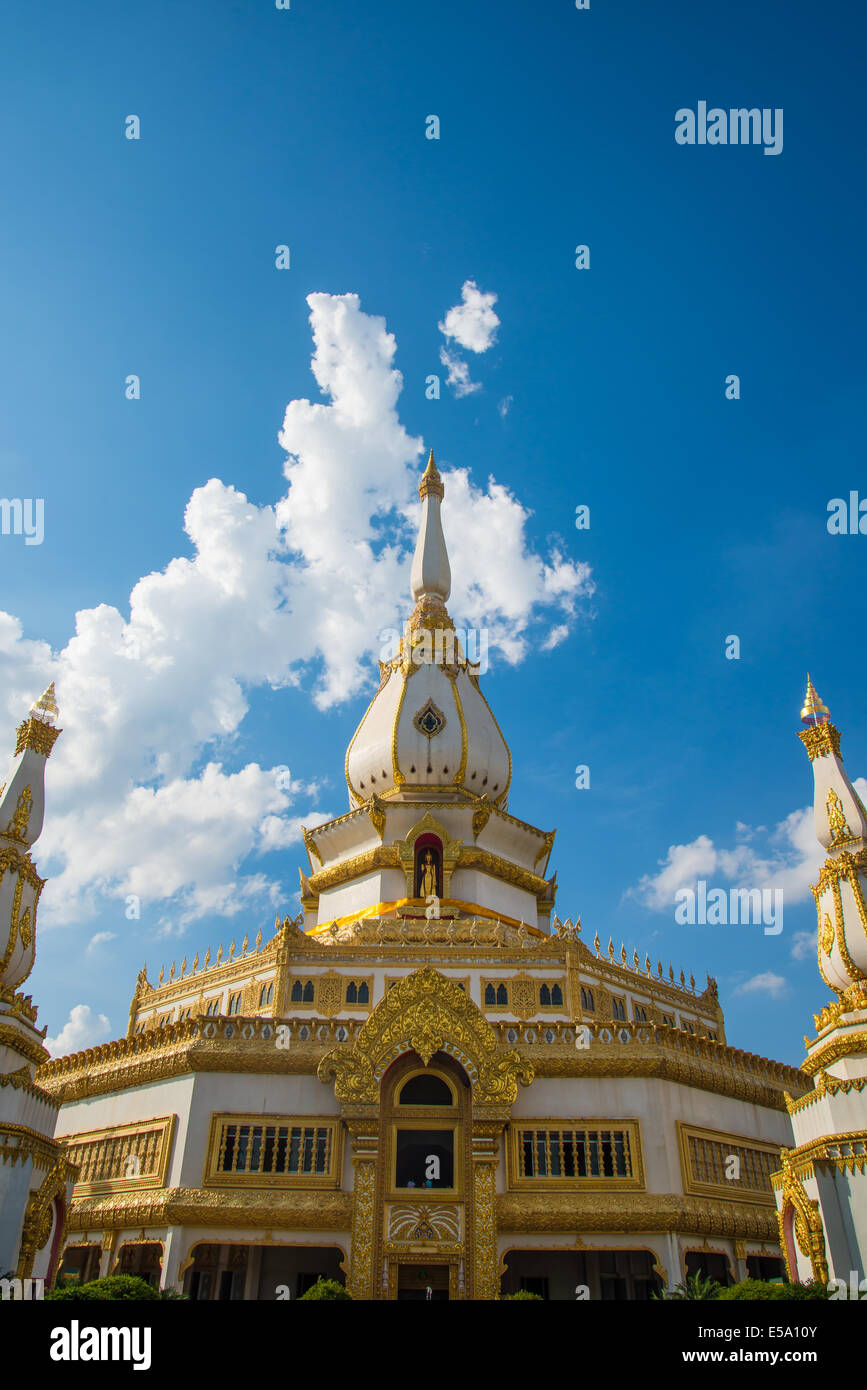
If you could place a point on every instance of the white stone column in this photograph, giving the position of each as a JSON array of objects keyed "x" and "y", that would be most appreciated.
[{"x": 173, "y": 1253}]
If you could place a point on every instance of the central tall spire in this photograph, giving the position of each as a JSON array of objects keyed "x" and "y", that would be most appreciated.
[{"x": 431, "y": 576}]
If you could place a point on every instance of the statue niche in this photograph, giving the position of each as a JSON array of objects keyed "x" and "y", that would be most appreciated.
[{"x": 428, "y": 867}]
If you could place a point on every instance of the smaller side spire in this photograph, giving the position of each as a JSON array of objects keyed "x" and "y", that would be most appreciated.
[
  {"x": 431, "y": 482},
  {"x": 814, "y": 711}
]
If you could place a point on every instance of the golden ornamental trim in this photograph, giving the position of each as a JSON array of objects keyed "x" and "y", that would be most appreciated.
[
  {"x": 807, "y": 1225},
  {"x": 820, "y": 740},
  {"x": 849, "y": 1045},
  {"x": 532, "y": 1212},
  {"x": 278, "y": 1209},
  {"x": 37, "y": 737},
  {"x": 24, "y": 1046},
  {"x": 428, "y": 1013}
]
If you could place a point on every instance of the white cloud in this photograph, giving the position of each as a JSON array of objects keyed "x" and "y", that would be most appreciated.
[
  {"x": 803, "y": 945},
  {"x": 505, "y": 406},
  {"x": 82, "y": 1029},
  {"x": 766, "y": 983},
  {"x": 100, "y": 939},
  {"x": 292, "y": 593},
  {"x": 459, "y": 374},
  {"x": 788, "y": 858},
  {"x": 472, "y": 323}
]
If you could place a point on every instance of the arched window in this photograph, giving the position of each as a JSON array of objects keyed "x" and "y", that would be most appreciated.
[
  {"x": 544, "y": 996},
  {"x": 295, "y": 997},
  {"x": 425, "y": 1089},
  {"x": 490, "y": 994},
  {"x": 364, "y": 993},
  {"x": 617, "y": 1009},
  {"x": 502, "y": 995},
  {"x": 557, "y": 995},
  {"x": 307, "y": 997},
  {"x": 587, "y": 999},
  {"x": 266, "y": 994},
  {"x": 640, "y": 1013},
  {"x": 213, "y": 1006},
  {"x": 352, "y": 992},
  {"x": 235, "y": 1003}
]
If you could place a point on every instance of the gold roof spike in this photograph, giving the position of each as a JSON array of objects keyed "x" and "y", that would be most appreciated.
[
  {"x": 814, "y": 710},
  {"x": 46, "y": 705},
  {"x": 431, "y": 480}
]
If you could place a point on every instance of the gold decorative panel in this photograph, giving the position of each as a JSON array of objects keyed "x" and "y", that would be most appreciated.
[{"x": 122, "y": 1158}]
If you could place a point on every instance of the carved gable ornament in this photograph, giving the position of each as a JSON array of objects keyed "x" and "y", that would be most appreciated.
[{"x": 426, "y": 1013}]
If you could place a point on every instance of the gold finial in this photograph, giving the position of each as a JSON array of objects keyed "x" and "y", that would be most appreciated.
[
  {"x": 183, "y": 967},
  {"x": 597, "y": 943},
  {"x": 671, "y": 972},
  {"x": 635, "y": 959},
  {"x": 195, "y": 962},
  {"x": 659, "y": 968},
  {"x": 623, "y": 953},
  {"x": 232, "y": 948},
  {"x": 45, "y": 708},
  {"x": 647, "y": 965},
  {"x": 682, "y": 980},
  {"x": 220, "y": 953},
  {"x": 692, "y": 983},
  {"x": 431, "y": 480},
  {"x": 610, "y": 949},
  {"x": 814, "y": 711},
  {"x": 207, "y": 957},
  {"x": 172, "y": 973},
  {"x": 161, "y": 974},
  {"x": 259, "y": 939}
]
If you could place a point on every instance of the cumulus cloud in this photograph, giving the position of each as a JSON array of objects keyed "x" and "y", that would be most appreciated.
[
  {"x": 459, "y": 374},
  {"x": 292, "y": 593},
  {"x": 787, "y": 858},
  {"x": 472, "y": 323},
  {"x": 99, "y": 939},
  {"x": 82, "y": 1029},
  {"x": 766, "y": 983},
  {"x": 803, "y": 945}
]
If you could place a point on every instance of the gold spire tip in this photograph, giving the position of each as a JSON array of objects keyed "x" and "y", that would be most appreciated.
[{"x": 814, "y": 710}]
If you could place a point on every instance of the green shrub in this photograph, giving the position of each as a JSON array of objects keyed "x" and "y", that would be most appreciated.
[
  {"x": 115, "y": 1286},
  {"x": 754, "y": 1289},
  {"x": 524, "y": 1293},
  {"x": 695, "y": 1288},
  {"x": 326, "y": 1288}
]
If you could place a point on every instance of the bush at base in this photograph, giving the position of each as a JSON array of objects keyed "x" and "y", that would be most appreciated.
[
  {"x": 326, "y": 1288},
  {"x": 114, "y": 1286},
  {"x": 523, "y": 1293},
  {"x": 754, "y": 1289}
]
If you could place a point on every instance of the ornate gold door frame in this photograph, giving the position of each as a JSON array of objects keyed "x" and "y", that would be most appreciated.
[{"x": 425, "y": 1014}]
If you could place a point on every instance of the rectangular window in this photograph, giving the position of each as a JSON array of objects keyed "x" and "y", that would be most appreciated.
[
  {"x": 720, "y": 1165},
  {"x": 123, "y": 1157},
  {"x": 246, "y": 1149},
  {"x": 424, "y": 1158},
  {"x": 594, "y": 1152}
]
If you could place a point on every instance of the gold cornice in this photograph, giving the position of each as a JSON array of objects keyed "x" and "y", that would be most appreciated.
[
  {"x": 227, "y": 972},
  {"x": 24, "y": 1046},
  {"x": 20, "y": 1080},
  {"x": 850, "y": 1045},
  {"x": 822, "y": 1150},
  {"x": 632, "y": 1211},
  {"x": 37, "y": 736},
  {"x": 31, "y": 1144},
  {"x": 819, "y": 740},
  {"x": 278, "y": 1209},
  {"x": 388, "y": 857}
]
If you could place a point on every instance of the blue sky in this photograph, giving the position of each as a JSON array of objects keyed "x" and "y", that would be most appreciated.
[{"x": 604, "y": 387}]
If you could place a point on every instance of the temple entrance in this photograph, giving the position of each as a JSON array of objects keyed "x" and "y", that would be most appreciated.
[{"x": 422, "y": 1282}]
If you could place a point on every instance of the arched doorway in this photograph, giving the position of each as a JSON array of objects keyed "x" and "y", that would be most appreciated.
[{"x": 425, "y": 1143}]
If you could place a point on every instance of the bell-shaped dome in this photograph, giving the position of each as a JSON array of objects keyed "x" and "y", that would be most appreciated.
[{"x": 429, "y": 725}]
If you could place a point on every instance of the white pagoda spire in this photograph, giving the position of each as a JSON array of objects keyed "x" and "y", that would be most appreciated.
[{"x": 431, "y": 576}]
